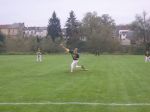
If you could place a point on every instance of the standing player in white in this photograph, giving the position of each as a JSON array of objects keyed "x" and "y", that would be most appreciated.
[
  {"x": 75, "y": 55},
  {"x": 38, "y": 55},
  {"x": 147, "y": 56}
]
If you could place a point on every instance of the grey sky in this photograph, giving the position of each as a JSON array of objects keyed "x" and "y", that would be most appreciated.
[{"x": 37, "y": 12}]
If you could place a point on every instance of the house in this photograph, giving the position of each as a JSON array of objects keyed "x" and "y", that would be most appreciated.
[
  {"x": 64, "y": 35},
  {"x": 12, "y": 30},
  {"x": 124, "y": 34},
  {"x": 35, "y": 32},
  {"x": 124, "y": 37}
]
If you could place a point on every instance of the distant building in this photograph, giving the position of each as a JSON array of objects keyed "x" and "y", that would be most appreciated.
[
  {"x": 124, "y": 34},
  {"x": 124, "y": 39},
  {"x": 64, "y": 35},
  {"x": 35, "y": 32},
  {"x": 12, "y": 30}
]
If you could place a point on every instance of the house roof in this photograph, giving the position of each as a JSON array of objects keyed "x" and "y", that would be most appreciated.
[
  {"x": 5, "y": 26},
  {"x": 15, "y": 25}
]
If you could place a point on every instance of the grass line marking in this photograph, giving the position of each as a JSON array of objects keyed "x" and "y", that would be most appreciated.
[{"x": 74, "y": 103}]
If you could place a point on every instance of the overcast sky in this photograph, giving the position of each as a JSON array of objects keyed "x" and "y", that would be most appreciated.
[{"x": 38, "y": 12}]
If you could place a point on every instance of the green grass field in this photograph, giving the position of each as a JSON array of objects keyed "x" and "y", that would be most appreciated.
[{"x": 119, "y": 79}]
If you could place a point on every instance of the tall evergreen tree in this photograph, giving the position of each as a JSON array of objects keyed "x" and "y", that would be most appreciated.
[
  {"x": 2, "y": 37},
  {"x": 54, "y": 27},
  {"x": 72, "y": 29},
  {"x": 2, "y": 41}
]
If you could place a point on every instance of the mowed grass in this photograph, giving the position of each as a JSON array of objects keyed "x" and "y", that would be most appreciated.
[{"x": 110, "y": 79}]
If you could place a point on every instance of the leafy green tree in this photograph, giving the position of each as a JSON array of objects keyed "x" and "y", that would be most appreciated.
[
  {"x": 99, "y": 32},
  {"x": 54, "y": 27},
  {"x": 72, "y": 30}
]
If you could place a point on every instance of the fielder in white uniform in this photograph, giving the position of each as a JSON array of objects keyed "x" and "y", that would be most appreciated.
[
  {"x": 147, "y": 56},
  {"x": 38, "y": 55}
]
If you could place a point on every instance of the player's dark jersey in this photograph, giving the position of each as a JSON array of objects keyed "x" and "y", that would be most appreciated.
[{"x": 74, "y": 56}]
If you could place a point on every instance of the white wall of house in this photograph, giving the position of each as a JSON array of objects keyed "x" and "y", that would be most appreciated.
[
  {"x": 35, "y": 32},
  {"x": 123, "y": 37}
]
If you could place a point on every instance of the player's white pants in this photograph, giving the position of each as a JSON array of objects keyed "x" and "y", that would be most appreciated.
[
  {"x": 147, "y": 59},
  {"x": 39, "y": 58},
  {"x": 74, "y": 65}
]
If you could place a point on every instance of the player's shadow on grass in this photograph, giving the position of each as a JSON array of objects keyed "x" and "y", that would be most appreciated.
[{"x": 77, "y": 71}]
